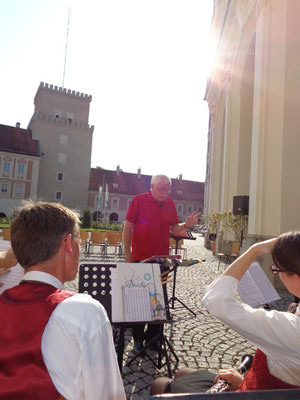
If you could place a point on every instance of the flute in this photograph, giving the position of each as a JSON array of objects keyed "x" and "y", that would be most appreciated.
[{"x": 224, "y": 386}]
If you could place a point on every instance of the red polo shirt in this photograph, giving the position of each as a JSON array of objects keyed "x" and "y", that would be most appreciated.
[{"x": 151, "y": 225}]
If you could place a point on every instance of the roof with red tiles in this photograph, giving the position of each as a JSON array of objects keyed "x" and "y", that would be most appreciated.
[
  {"x": 18, "y": 140},
  {"x": 131, "y": 184}
]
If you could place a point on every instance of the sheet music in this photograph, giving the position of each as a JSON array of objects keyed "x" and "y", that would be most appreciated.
[
  {"x": 136, "y": 304},
  {"x": 142, "y": 276},
  {"x": 255, "y": 287}
]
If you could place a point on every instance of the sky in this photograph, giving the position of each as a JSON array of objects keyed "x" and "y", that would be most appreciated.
[{"x": 145, "y": 63}]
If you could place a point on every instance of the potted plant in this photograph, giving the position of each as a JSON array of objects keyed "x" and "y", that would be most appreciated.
[
  {"x": 236, "y": 224},
  {"x": 213, "y": 219}
]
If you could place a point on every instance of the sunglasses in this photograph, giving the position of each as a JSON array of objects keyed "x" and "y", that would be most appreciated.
[{"x": 274, "y": 269}]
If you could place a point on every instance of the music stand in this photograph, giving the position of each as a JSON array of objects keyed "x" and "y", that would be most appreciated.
[
  {"x": 95, "y": 280},
  {"x": 186, "y": 236}
]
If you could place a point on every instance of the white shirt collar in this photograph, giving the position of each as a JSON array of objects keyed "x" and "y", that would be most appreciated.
[{"x": 43, "y": 277}]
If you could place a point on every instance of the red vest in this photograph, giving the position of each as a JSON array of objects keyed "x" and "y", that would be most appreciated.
[
  {"x": 24, "y": 312},
  {"x": 259, "y": 378}
]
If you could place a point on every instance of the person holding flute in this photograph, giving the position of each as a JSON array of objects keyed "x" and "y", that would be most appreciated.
[{"x": 276, "y": 364}]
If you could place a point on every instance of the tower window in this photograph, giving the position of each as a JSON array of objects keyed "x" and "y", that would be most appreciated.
[
  {"x": 63, "y": 139},
  {"x": 62, "y": 157}
]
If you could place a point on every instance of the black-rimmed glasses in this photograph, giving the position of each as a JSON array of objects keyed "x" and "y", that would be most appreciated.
[{"x": 274, "y": 269}]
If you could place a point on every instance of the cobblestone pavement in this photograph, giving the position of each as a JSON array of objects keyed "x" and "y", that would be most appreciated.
[{"x": 199, "y": 342}]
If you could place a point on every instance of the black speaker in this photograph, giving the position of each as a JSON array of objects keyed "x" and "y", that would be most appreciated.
[{"x": 240, "y": 205}]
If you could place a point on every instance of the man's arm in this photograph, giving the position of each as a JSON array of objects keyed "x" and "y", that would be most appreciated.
[
  {"x": 7, "y": 260},
  {"x": 190, "y": 221},
  {"x": 127, "y": 240}
]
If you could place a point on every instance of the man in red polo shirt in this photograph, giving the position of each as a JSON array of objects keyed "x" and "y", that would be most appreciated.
[{"x": 150, "y": 219}]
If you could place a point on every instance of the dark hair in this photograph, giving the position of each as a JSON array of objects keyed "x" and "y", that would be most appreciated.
[
  {"x": 286, "y": 251},
  {"x": 37, "y": 230}
]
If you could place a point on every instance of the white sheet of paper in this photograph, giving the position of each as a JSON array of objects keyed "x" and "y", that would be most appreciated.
[
  {"x": 135, "y": 275},
  {"x": 255, "y": 287},
  {"x": 16, "y": 273}
]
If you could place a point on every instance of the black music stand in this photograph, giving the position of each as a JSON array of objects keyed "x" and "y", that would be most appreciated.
[
  {"x": 186, "y": 236},
  {"x": 95, "y": 280}
]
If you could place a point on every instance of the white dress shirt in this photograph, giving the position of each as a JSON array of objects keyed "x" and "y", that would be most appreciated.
[
  {"x": 78, "y": 348},
  {"x": 276, "y": 333}
]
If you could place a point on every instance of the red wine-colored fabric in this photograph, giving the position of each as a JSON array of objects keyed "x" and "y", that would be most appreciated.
[
  {"x": 24, "y": 312},
  {"x": 259, "y": 378}
]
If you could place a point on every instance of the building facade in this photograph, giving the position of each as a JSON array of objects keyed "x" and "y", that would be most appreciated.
[
  {"x": 19, "y": 167},
  {"x": 56, "y": 157},
  {"x": 253, "y": 95},
  {"x": 120, "y": 187},
  {"x": 61, "y": 125}
]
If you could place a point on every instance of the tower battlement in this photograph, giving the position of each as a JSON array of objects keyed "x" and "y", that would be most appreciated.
[
  {"x": 67, "y": 92},
  {"x": 51, "y": 119}
]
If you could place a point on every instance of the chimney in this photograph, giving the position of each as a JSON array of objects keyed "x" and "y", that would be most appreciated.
[
  {"x": 118, "y": 169},
  {"x": 139, "y": 173},
  {"x": 180, "y": 177},
  {"x": 18, "y": 125}
]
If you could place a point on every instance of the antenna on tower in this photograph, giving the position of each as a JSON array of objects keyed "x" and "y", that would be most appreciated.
[{"x": 66, "y": 49}]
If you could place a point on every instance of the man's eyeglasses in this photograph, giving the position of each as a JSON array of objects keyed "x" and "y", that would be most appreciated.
[
  {"x": 81, "y": 241},
  {"x": 274, "y": 269},
  {"x": 163, "y": 190}
]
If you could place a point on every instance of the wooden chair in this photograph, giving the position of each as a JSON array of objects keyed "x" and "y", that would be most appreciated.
[
  {"x": 6, "y": 233},
  {"x": 98, "y": 239},
  {"x": 172, "y": 245},
  {"x": 229, "y": 257},
  {"x": 180, "y": 247},
  {"x": 86, "y": 237},
  {"x": 114, "y": 239}
]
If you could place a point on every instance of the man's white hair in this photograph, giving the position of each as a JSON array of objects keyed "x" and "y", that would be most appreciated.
[{"x": 160, "y": 178}]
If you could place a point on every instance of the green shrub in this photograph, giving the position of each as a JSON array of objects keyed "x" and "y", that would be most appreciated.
[{"x": 87, "y": 219}]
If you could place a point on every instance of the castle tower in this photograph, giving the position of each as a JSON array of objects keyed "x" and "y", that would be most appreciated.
[{"x": 60, "y": 123}]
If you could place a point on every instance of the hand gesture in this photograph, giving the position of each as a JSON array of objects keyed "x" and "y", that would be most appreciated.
[
  {"x": 232, "y": 376},
  {"x": 192, "y": 219}
]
